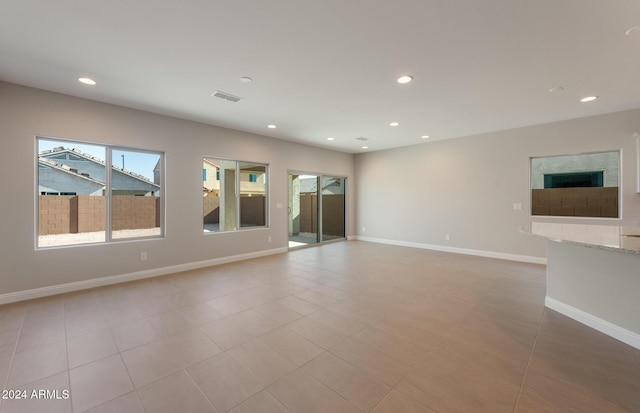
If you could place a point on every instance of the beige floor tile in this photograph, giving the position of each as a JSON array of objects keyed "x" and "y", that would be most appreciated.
[
  {"x": 541, "y": 392},
  {"x": 301, "y": 393},
  {"x": 316, "y": 332},
  {"x": 5, "y": 365},
  {"x": 337, "y": 321},
  {"x": 55, "y": 399},
  {"x": 277, "y": 312},
  {"x": 12, "y": 316},
  {"x": 396, "y": 402},
  {"x": 509, "y": 340},
  {"x": 38, "y": 363},
  {"x": 169, "y": 323},
  {"x": 265, "y": 364},
  {"x": 191, "y": 347},
  {"x": 405, "y": 351},
  {"x": 373, "y": 362},
  {"x": 8, "y": 341},
  {"x": 96, "y": 383},
  {"x": 227, "y": 305},
  {"x": 348, "y": 381},
  {"x": 133, "y": 333},
  {"x": 149, "y": 362},
  {"x": 41, "y": 331},
  {"x": 299, "y": 305},
  {"x": 317, "y": 298},
  {"x": 121, "y": 314},
  {"x": 200, "y": 313},
  {"x": 175, "y": 393},
  {"x": 424, "y": 334},
  {"x": 82, "y": 323},
  {"x": 129, "y": 403},
  {"x": 262, "y": 402},
  {"x": 466, "y": 324},
  {"x": 90, "y": 347},
  {"x": 291, "y": 345},
  {"x": 153, "y": 306},
  {"x": 331, "y": 291},
  {"x": 225, "y": 333},
  {"x": 461, "y": 378},
  {"x": 224, "y": 382},
  {"x": 252, "y": 322}
]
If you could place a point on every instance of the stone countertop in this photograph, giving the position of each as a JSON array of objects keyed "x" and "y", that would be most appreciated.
[{"x": 608, "y": 237}]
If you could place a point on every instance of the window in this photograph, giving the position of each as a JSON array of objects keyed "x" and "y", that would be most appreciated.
[
  {"x": 237, "y": 198},
  {"x": 582, "y": 185},
  {"x": 83, "y": 201}
]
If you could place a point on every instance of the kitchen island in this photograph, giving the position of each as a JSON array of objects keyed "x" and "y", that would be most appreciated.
[{"x": 593, "y": 275}]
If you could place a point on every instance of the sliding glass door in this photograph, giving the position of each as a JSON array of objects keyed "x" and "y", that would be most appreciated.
[
  {"x": 316, "y": 209},
  {"x": 333, "y": 207}
]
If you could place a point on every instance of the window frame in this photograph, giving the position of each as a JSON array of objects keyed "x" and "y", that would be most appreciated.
[
  {"x": 238, "y": 194},
  {"x": 108, "y": 191}
]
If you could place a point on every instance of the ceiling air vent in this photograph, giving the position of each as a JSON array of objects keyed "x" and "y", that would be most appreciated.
[
  {"x": 362, "y": 138},
  {"x": 226, "y": 96}
]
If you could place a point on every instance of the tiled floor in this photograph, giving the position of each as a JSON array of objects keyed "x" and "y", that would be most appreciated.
[{"x": 344, "y": 327}]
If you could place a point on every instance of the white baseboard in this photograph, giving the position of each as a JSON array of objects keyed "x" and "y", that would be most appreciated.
[
  {"x": 466, "y": 251},
  {"x": 139, "y": 275},
  {"x": 603, "y": 326}
]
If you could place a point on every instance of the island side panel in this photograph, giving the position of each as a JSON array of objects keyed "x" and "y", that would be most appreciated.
[{"x": 603, "y": 285}]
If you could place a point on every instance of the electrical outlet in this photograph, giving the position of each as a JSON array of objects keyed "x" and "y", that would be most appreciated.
[
  {"x": 447, "y": 237},
  {"x": 517, "y": 206},
  {"x": 143, "y": 256},
  {"x": 363, "y": 229},
  {"x": 269, "y": 239}
]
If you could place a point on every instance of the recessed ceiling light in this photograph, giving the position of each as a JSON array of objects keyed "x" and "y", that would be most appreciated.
[
  {"x": 556, "y": 89},
  {"x": 394, "y": 124},
  {"x": 588, "y": 99},
  {"x": 271, "y": 126},
  {"x": 365, "y": 147},
  {"x": 632, "y": 30},
  {"x": 425, "y": 136},
  {"x": 329, "y": 139},
  {"x": 405, "y": 79},
  {"x": 246, "y": 79},
  {"x": 87, "y": 81}
]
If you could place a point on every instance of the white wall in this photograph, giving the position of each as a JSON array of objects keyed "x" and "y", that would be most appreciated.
[
  {"x": 27, "y": 112},
  {"x": 466, "y": 187}
]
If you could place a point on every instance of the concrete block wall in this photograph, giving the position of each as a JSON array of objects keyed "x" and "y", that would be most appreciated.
[
  {"x": 579, "y": 202},
  {"x": 85, "y": 213},
  {"x": 91, "y": 212},
  {"x": 133, "y": 212},
  {"x": 54, "y": 214}
]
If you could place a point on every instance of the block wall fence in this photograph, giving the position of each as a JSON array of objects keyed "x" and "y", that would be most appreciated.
[{"x": 85, "y": 213}]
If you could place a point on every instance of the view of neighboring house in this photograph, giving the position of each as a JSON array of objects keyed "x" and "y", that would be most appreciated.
[
  {"x": 63, "y": 171},
  {"x": 330, "y": 186},
  {"x": 252, "y": 180}
]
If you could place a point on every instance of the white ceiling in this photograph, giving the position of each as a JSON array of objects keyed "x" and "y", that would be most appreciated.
[{"x": 328, "y": 68}]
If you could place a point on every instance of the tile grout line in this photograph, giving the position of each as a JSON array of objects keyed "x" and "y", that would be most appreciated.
[
  {"x": 13, "y": 355},
  {"x": 437, "y": 342},
  {"x": 526, "y": 370}
]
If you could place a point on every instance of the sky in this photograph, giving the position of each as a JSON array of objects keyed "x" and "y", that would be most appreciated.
[{"x": 138, "y": 162}]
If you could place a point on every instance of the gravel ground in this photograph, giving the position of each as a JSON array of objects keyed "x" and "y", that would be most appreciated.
[{"x": 93, "y": 237}]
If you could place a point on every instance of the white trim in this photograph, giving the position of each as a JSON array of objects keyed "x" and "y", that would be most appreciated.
[
  {"x": 139, "y": 275},
  {"x": 610, "y": 329},
  {"x": 466, "y": 251}
]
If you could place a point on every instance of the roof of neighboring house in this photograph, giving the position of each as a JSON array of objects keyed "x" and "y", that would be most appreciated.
[
  {"x": 76, "y": 152},
  {"x": 66, "y": 169}
]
